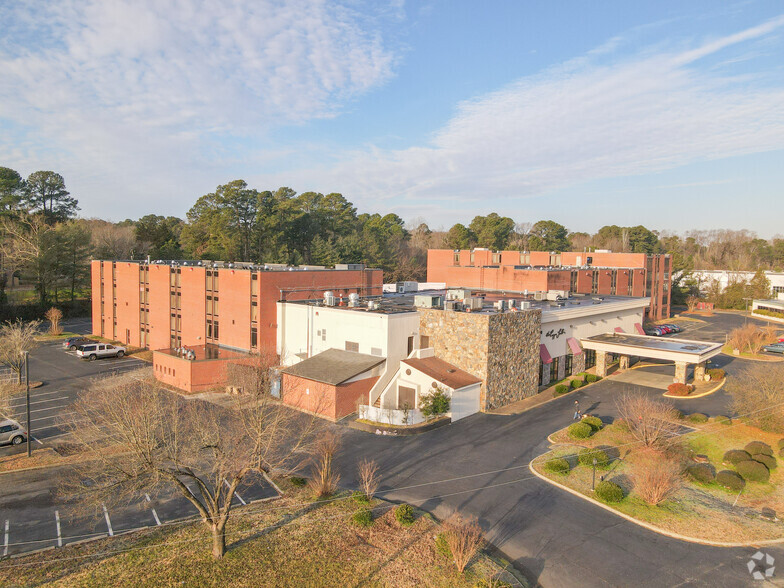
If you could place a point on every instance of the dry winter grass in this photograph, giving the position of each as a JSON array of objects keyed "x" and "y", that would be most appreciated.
[{"x": 286, "y": 545}]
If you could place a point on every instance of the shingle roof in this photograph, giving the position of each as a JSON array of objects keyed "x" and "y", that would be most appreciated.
[
  {"x": 333, "y": 366},
  {"x": 443, "y": 372}
]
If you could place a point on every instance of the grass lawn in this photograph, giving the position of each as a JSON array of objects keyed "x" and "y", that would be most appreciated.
[
  {"x": 728, "y": 350},
  {"x": 702, "y": 511},
  {"x": 279, "y": 544},
  {"x": 62, "y": 336}
]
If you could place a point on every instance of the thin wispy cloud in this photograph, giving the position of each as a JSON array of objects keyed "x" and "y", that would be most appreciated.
[
  {"x": 135, "y": 86},
  {"x": 607, "y": 114}
]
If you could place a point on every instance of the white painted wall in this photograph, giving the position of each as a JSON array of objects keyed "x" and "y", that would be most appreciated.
[
  {"x": 588, "y": 321},
  {"x": 724, "y": 277},
  {"x": 307, "y": 329}
]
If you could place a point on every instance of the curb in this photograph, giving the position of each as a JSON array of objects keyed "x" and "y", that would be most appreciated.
[
  {"x": 771, "y": 360},
  {"x": 719, "y": 387},
  {"x": 571, "y": 390},
  {"x": 648, "y": 526}
]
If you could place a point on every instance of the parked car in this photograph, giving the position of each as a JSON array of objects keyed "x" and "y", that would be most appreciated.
[
  {"x": 665, "y": 329},
  {"x": 94, "y": 351},
  {"x": 781, "y": 340},
  {"x": 653, "y": 332},
  {"x": 74, "y": 342},
  {"x": 12, "y": 432},
  {"x": 673, "y": 328},
  {"x": 774, "y": 348}
]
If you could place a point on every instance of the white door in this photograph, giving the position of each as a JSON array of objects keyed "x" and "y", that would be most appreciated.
[{"x": 465, "y": 402}]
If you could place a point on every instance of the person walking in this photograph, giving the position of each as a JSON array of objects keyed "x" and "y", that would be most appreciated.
[{"x": 577, "y": 414}]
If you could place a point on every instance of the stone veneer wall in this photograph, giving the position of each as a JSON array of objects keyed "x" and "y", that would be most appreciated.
[
  {"x": 513, "y": 357},
  {"x": 501, "y": 349}
]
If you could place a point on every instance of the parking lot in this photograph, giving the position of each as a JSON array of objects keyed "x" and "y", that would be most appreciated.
[{"x": 63, "y": 375}]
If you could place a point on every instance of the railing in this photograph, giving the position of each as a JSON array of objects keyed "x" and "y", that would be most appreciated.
[{"x": 390, "y": 416}]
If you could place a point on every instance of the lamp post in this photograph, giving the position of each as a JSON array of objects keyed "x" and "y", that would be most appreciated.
[
  {"x": 593, "y": 481},
  {"x": 746, "y": 317},
  {"x": 27, "y": 386}
]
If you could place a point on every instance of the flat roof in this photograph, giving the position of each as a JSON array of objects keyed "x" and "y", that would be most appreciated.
[
  {"x": 334, "y": 366},
  {"x": 648, "y": 342},
  {"x": 207, "y": 352},
  {"x": 770, "y": 302},
  {"x": 241, "y": 265}
]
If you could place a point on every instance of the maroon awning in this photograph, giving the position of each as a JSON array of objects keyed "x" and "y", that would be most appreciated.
[
  {"x": 619, "y": 330},
  {"x": 574, "y": 345},
  {"x": 640, "y": 330},
  {"x": 544, "y": 354}
]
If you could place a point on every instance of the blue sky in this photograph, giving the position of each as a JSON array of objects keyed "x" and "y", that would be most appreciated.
[{"x": 668, "y": 114}]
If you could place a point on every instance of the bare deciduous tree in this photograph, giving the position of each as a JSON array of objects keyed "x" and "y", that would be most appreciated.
[
  {"x": 464, "y": 537},
  {"x": 324, "y": 479},
  {"x": 369, "y": 480},
  {"x": 656, "y": 476},
  {"x": 16, "y": 338},
  {"x": 757, "y": 394},
  {"x": 650, "y": 420},
  {"x": 54, "y": 315},
  {"x": 141, "y": 438}
]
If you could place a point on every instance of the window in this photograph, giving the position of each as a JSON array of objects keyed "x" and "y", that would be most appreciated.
[
  {"x": 554, "y": 369},
  {"x": 590, "y": 358},
  {"x": 323, "y": 334},
  {"x": 5, "y": 429},
  {"x": 594, "y": 282},
  {"x": 215, "y": 330},
  {"x": 496, "y": 258},
  {"x": 456, "y": 260},
  {"x": 352, "y": 346},
  {"x": 525, "y": 258},
  {"x": 254, "y": 337},
  {"x": 568, "y": 364},
  {"x": 254, "y": 312},
  {"x": 424, "y": 341}
]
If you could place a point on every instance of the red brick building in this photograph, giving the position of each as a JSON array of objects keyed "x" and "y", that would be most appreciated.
[
  {"x": 598, "y": 272},
  {"x": 162, "y": 305}
]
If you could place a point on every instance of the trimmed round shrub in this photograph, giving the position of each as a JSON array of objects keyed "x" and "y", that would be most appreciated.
[
  {"x": 758, "y": 447},
  {"x": 734, "y": 456},
  {"x": 724, "y": 420},
  {"x": 753, "y": 471},
  {"x": 781, "y": 443},
  {"x": 557, "y": 465},
  {"x": 297, "y": 481},
  {"x": 768, "y": 460},
  {"x": 405, "y": 514},
  {"x": 609, "y": 492},
  {"x": 576, "y": 383},
  {"x": 442, "y": 547},
  {"x": 715, "y": 373},
  {"x": 585, "y": 457},
  {"x": 580, "y": 430},
  {"x": 360, "y": 497},
  {"x": 698, "y": 417},
  {"x": 677, "y": 414},
  {"x": 561, "y": 389},
  {"x": 594, "y": 422},
  {"x": 730, "y": 480},
  {"x": 678, "y": 389},
  {"x": 591, "y": 378},
  {"x": 362, "y": 517},
  {"x": 701, "y": 472}
]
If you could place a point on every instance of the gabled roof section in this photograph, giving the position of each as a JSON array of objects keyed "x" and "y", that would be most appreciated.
[
  {"x": 334, "y": 366},
  {"x": 443, "y": 372}
]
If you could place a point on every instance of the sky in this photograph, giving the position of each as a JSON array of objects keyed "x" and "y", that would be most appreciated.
[{"x": 668, "y": 114}]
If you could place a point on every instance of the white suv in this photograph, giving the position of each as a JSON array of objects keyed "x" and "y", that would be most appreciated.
[{"x": 93, "y": 351}]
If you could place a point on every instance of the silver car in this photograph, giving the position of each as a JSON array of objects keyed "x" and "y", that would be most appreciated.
[
  {"x": 11, "y": 432},
  {"x": 93, "y": 351}
]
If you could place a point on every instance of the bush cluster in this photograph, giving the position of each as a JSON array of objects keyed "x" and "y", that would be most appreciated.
[
  {"x": 701, "y": 472},
  {"x": 764, "y": 312},
  {"x": 724, "y": 420},
  {"x": 360, "y": 497},
  {"x": 716, "y": 373},
  {"x": 768, "y": 460},
  {"x": 561, "y": 389},
  {"x": 781, "y": 444},
  {"x": 576, "y": 383},
  {"x": 753, "y": 471},
  {"x": 405, "y": 514},
  {"x": 758, "y": 447},
  {"x": 678, "y": 389},
  {"x": 586, "y": 456},
  {"x": 730, "y": 480},
  {"x": 609, "y": 492},
  {"x": 591, "y": 378},
  {"x": 557, "y": 465},
  {"x": 676, "y": 414},
  {"x": 362, "y": 517},
  {"x": 594, "y": 422},
  {"x": 734, "y": 456},
  {"x": 698, "y": 417},
  {"x": 580, "y": 430},
  {"x": 621, "y": 424}
]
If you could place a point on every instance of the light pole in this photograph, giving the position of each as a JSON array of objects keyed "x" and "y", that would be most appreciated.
[
  {"x": 27, "y": 386},
  {"x": 746, "y": 317},
  {"x": 593, "y": 481}
]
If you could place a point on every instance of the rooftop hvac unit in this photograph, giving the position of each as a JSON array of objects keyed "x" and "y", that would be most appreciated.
[
  {"x": 353, "y": 299},
  {"x": 525, "y": 305},
  {"x": 474, "y": 303},
  {"x": 427, "y": 301},
  {"x": 349, "y": 266},
  {"x": 452, "y": 305},
  {"x": 457, "y": 294},
  {"x": 540, "y": 295},
  {"x": 511, "y": 303},
  {"x": 500, "y": 305},
  {"x": 329, "y": 298},
  {"x": 557, "y": 294},
  {"x": 405, "y": 287}
]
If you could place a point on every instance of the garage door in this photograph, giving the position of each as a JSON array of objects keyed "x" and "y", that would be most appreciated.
[{"x": 465, "y": 402}]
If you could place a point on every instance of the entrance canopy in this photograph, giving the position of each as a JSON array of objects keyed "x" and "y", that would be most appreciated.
[{"x": 677, "y": 350}]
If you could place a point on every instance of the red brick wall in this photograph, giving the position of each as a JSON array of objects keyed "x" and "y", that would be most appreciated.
[
  {"x": 128, "y": 303},
  {"x": 234, "y": 308},
  {"x": 194, "y": 309},
  {"x": 171, "y": 370},
  {"x": 95, "y": 282},
  {"x": 333, "y": 402},
  {"x": 160, "y": 305}
]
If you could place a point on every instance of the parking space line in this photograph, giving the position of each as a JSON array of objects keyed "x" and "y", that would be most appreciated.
[
  {"x": 108, "y": 522},
  {"x": 59, "y": 535},
  {"x": 5, "y": 539},
  {"x": 154, "y": 513},
  {"x": 235, "y": 494},
  {"x": 24, "y": 403}
]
